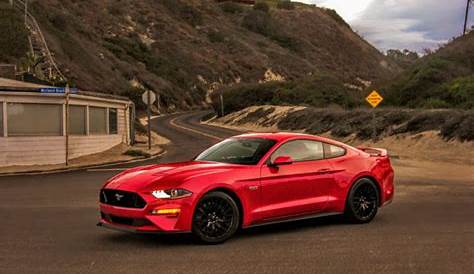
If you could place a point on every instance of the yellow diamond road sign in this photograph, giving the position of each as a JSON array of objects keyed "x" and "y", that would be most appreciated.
[{"x": 374, "y": 99}]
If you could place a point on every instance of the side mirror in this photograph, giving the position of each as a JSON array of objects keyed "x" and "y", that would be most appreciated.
[{"x": 282, "y": 161}]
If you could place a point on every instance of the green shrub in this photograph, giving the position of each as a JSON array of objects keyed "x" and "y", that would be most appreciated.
[
  {"x": 216, "y": 37},
  {"x": 432, "y": 84},
  {"x": 231, "y": 7},
  {"x": 285, "y": 5},
  {"x": 452, "y": 124},
  {"x": 259, "y": 22},
  {"x": 184, "y": 10},
  {"x": 115, "y": 9},
  {"x": 261, "y": 6},
  {"x": 137, "y": 153},
  {"x": 285, "y": 41},
  {"x": 164, "y": 66},
  {"x": 262, "y": 23},
  {"x": 317, "y": 91},
  {"x": 435, "y": 103},
  {"x": 460, "y": 92},
  {"x": 59, "y": 21}
]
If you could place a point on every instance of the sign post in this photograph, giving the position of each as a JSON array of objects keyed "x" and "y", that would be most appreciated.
[
  {"x": 374, "y": 99},
  {"x": 67, "y": 91},
  {"x": 149, "y": 98},
  {"x": 222, "y": 104}
]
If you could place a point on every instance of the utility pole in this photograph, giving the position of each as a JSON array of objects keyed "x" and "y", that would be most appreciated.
[
  {"x": 222, "y": 104},
  {"x": 467, "y": 16},
  {"x": 67, "y": 91},
  {"x": 158, "y": 103}
]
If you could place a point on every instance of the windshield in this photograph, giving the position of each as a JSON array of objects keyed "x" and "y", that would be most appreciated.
[{"x": 243, "y": 151}]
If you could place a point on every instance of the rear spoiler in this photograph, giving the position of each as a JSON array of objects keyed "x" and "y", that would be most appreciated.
[{"x": 374, "y": 152}]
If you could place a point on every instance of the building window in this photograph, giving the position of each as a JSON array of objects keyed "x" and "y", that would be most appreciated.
[
  {"x": 77, "y": 120},
  {"x": 25, "y": 119},
  {"x": 113, "y": 121},
  {"x": 97, "y": 120},
  {"x": 1, "y": 119}
]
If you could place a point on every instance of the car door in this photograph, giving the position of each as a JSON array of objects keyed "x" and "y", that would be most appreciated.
[{"x": 297, "y": 188}]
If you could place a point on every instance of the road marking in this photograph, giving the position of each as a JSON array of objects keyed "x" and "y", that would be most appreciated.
[{"x": 173, "y": 123}]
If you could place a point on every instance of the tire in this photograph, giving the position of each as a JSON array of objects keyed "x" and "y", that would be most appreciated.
[
  {"x": 362, "y": 202},
  {"x": 216, "y": 218}
]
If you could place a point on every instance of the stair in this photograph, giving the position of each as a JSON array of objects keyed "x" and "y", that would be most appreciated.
[{"x": 47, "y": 68}]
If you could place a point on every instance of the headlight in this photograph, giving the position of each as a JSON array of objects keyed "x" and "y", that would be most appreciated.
[{"x": 171, "y": 193}]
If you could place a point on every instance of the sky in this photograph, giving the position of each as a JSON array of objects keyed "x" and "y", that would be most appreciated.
[{"x": 402, "y": 24}]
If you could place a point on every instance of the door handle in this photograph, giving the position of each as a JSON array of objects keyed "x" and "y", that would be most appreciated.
[{"x": 323, "y": 171}]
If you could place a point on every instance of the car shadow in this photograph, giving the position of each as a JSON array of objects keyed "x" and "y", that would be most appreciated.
[
  {"x": 293, "y": 226},
  {"x": 147, "y": 240},
  {"x": 182, "y": 239}
]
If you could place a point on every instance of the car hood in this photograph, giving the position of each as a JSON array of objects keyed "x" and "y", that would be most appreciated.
[{"x": 164, "y": 176}]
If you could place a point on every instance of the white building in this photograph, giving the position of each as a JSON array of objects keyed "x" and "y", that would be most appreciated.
[{"x": 33, "y": 124}]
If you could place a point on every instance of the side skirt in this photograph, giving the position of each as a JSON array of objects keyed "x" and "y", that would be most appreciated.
[{"x": 292, "y": 219}]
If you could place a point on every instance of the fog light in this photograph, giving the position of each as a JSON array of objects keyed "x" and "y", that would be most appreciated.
[{"x": 166, "y": 211}]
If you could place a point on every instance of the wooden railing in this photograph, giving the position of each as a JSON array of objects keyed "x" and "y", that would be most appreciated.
[{"x": 37, "y": 38}]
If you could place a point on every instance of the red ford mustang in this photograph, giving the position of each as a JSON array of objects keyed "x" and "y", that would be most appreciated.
[{"x": 250, "y": 180}]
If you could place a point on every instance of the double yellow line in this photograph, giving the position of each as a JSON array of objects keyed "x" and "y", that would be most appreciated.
[{"x": 174, "y": 124}]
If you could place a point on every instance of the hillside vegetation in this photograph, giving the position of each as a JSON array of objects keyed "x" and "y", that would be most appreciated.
[
  {"x": 186, "y": 49},
  {"x": 450, "y": 124},
  {"x": 443, "y": 79},
  {"x": 14, "y": 37}
]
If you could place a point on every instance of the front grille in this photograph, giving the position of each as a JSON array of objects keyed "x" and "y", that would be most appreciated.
[
  {"x": 124, "y": 220},
  {"x": 121, "y": 198}
]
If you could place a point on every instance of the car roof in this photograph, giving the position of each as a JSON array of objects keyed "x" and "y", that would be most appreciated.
[
  {"x": 278, "y": 136},
  {"x": 283, "y": 136}
]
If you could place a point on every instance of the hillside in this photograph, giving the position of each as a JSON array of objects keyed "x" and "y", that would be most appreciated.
[
  {"x": 443, "y": 79},
  {"x": 439, "y": 80},
  {"x": 14, "y": 38},
  {"x": 185, "y": 49}
]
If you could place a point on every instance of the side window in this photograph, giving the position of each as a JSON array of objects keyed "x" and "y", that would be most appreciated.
[
  {"x": 28, "y": 119},
  {"x": 300, "y": 150},
  {"x": 77, "y": 120},
  {"x": 97, "y": 120},
  {"x": 332, "y": 151},
  {"x": 113, "y": 121}
]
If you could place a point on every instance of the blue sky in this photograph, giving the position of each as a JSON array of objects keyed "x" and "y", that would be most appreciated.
[{"x": 411, "y": 24}]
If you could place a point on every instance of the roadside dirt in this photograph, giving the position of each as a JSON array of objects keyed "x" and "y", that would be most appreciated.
[{"x": 418, "y": 156}]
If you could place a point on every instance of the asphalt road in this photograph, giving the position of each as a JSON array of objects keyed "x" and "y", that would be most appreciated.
[{"x": 47, "y": 225}]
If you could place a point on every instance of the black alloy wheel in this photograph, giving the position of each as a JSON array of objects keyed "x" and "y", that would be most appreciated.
[
  {"x": 216, "y": 218},
  {"x": 363, "y": 201}
]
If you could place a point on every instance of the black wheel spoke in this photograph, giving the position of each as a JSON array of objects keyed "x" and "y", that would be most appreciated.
[
  {"x": 214, "y": 217},
  {"x": 364, "y": 201}
]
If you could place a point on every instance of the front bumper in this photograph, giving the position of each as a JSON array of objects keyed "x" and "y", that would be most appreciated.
[
  {"x": 134, "y": 230},
  {"x": 143, "y": 220}
]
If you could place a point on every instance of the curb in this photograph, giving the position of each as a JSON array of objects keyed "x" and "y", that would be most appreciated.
[{"x": 65, "y": 169}]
